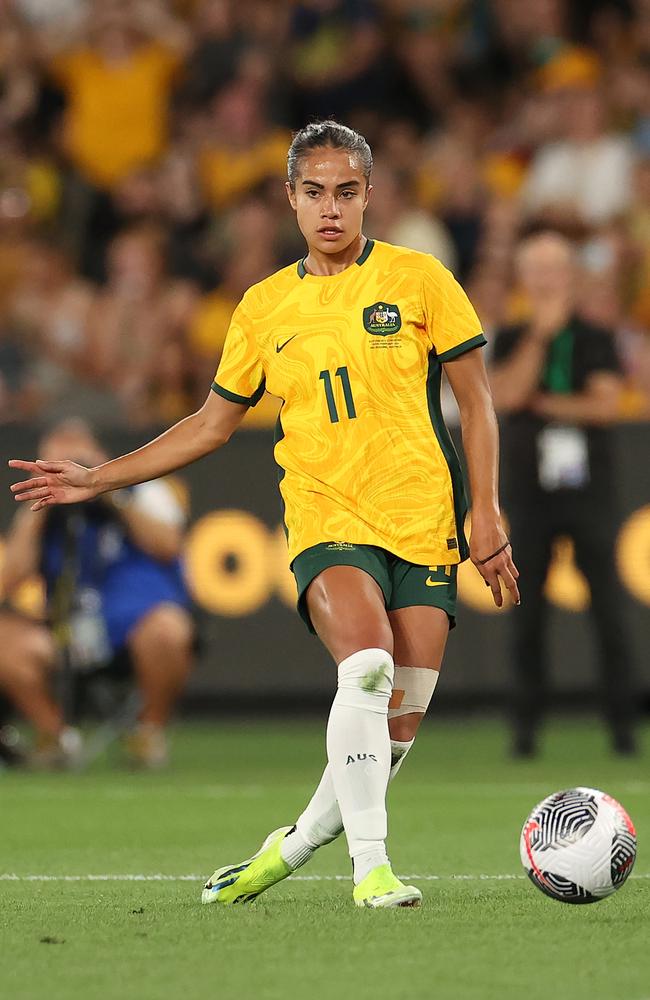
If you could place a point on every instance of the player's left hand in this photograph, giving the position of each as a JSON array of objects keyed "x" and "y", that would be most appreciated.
[{"x": 491, "y": 553}]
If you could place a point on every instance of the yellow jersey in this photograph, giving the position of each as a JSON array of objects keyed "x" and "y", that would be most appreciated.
[{"x": 356, "y": 359}]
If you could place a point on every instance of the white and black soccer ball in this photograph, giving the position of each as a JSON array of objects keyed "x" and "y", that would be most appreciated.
[{"x": 578, "y": 846}]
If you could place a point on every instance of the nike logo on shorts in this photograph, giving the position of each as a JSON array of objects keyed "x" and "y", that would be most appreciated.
[
  {"x": 281, "y": 347},
  {"x": 436, "y": 583}
]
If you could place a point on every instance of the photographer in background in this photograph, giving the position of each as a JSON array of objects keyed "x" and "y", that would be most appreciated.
[
  {"x": 115, "y": 599},
  {"x": 556, "y": 382}
]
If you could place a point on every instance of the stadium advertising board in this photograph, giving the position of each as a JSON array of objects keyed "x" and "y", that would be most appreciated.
[{"x": 253, "y": 645}]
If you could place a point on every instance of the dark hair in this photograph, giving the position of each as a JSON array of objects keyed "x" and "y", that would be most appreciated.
[{"x": 330, "y": 134}]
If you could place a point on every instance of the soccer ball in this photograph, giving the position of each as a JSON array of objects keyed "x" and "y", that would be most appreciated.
[{"x": 578, "y": 846}]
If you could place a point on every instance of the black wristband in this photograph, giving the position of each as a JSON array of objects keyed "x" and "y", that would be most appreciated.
[{"x": 482, "y": 562}]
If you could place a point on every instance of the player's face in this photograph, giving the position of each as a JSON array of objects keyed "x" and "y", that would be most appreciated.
[{"x": 329, "y": 199}]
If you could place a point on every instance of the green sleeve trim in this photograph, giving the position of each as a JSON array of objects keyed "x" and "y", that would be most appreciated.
[
  {"x": 233, "y": 397},
  {"x": 259, "y": 392},
  {"x": 446, "y": 444},
  {"x": 468, "y": 345}
]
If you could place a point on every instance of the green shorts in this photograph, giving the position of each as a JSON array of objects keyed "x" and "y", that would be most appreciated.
[{"x": 404, "y": 584}]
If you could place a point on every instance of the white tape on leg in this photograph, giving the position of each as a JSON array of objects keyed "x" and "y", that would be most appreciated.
[{"x": 413, "y": 689}]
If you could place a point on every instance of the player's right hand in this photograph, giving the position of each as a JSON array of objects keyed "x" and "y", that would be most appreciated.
[{"x": 53, "y": 483}]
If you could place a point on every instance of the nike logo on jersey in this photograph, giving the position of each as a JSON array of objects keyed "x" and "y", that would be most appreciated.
[
  {"x": 435, "y": 583},
  {"x": 281, "y": 347}
]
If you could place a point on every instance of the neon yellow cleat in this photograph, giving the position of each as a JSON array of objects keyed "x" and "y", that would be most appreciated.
[
  {"x": 242, "y": 883},
  {"x": 380, "y": 888}
]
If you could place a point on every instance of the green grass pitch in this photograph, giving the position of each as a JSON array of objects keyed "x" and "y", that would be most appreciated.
[{"x": 455, "y": 815}]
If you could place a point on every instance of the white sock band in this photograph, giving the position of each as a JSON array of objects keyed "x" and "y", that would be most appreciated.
[
  {"x": 413, "y": 689},
  {"x": 366, "y": 680}
]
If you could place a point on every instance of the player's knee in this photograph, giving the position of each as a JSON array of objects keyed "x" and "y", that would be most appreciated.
[{"x": 367, "y": 673}]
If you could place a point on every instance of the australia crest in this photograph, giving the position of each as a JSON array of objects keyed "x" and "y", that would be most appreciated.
[{"x": 382, "y": 319}]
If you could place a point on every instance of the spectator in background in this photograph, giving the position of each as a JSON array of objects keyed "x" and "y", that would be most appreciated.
[
  {"x": 448, "y": 181},
  {"x": 117, "y": 84},
  {"x": 242, "y": 148},
  {"x": 18, "y": 90},
  {"x": 46, "y": 319},
  {"x": 248, "y": 254},
  {"x": 234, "y": 40},
  {"x": 585, "y": 176},
  {"x": 212, "y": 62},
  {"x": 134, "y": 319},
  {"x": 555, "y": 381},
  {"x": 422, "y": 33},
  {"x": 245, "y": 251},
  {"x": 167, "y": 195},
  {"x": 638, "y": 233},
  {"x": 338, "y": 60},
  {"x": 394, "y": 217},
  {"x": 52, "y": 15},
  {"x": 489, "y": 114},
  {"x": 114, "y": 587}
]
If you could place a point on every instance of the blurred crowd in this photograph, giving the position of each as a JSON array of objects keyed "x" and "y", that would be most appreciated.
[{"x": 144, "y": 149}]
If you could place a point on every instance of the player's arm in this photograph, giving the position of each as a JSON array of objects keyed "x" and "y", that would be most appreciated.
[
  {"x": 469, "y": 383},
  {"x": 195, "y": 436}
]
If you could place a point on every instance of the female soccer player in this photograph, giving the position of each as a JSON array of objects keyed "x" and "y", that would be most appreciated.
[{"x": 353, "y": 339}]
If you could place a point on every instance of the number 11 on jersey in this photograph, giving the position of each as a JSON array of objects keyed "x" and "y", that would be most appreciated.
[{"x": 326, "y": 377}]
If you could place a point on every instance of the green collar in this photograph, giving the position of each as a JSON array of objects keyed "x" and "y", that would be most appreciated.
[{"x": 361, "y": 259}]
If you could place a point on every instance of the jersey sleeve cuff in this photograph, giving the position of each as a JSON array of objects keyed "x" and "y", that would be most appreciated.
[
  {"x": 467, "y": 345},
  {"x": 234, "y": 397}
]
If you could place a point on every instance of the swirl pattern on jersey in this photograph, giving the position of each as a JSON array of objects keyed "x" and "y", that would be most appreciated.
[{"x": 361, "y": 460}]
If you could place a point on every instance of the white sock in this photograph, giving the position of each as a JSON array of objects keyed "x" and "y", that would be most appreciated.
[
  {"x": 318, "y": 825},
  {"x": 358, "y": 750},
  {"x": 294, "y": 851},
  {"x": 321, "y": 821}
]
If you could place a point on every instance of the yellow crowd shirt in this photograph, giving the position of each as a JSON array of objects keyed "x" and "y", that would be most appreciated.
[
  {"x": 117, "y": 115},
  {"x": 356, "y": 359},
  {"x": 227, "y": 173}
]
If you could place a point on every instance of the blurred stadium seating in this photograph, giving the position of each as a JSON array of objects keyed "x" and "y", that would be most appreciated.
[
  {"x": 144, "y": 146},
  {"x": 141, "y": 192}
]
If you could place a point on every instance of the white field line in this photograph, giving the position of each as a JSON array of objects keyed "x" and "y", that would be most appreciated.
[
  {"x": 11, "y": 877},
  {"x": 220, "y": 791}
]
